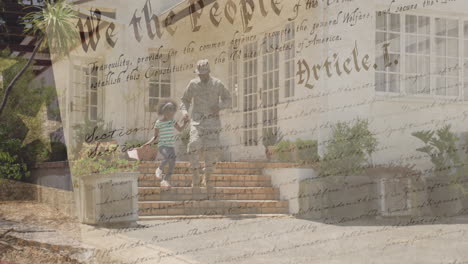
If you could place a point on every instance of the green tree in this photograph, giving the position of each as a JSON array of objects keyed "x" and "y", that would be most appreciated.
[
  {"x": 24, "y": 99},
  {"x": 53, "y": 25},
  {"x": 13, "y": 130}
]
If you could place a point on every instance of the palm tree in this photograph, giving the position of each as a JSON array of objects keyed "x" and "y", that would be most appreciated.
[{"x": 53, "y": 25}]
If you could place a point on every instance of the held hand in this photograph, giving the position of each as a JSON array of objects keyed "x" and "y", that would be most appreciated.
[{"x": 185, "y": 120}]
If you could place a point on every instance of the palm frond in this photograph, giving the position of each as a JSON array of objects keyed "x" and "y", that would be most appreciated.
[{"x": 56, "y": 21}]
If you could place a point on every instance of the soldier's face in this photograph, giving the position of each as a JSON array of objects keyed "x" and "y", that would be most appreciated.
[{"x": 204, "y": 77}]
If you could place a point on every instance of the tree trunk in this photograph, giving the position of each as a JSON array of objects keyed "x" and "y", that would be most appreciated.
[{"x": 18, "y": 76}]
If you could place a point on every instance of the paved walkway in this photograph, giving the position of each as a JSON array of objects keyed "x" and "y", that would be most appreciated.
[
  {"x": 287, "y": 240},
  {"x": 278, "y": 240}
]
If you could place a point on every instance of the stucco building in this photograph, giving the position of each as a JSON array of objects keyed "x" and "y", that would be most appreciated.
[{"x": 294, "y": 66}]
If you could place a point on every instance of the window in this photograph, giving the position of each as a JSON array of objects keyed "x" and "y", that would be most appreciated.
[
  {"x": 289, "y": 63},
  {"x": 160, "y": 83},
  {"x": 446, "y": 56},
  {"x": 465, "y": 59},
  {"x": 429, "y": 57},
  {"x": 91, "y": 94},
  {"x": 250, "y": 79},
  {"x": 388, "y": 32},
  {"x": 270, "y": 80},
  {"x": 418, "y": 55},
  {"x": 233, "y": 77},
  {"x": 86, "y": 95}
]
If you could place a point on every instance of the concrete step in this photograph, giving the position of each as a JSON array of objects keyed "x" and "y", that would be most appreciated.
[
  {"x": 212, "y": 207},
  {"x": 218, "y": 193},
  {"x": 229, "y": 165},
  {"x": 217, "y": 180},
  {"x": 186, "y": 170},
  {"x": 236, "y": 216},
  {"x": 239, "y": 188}
]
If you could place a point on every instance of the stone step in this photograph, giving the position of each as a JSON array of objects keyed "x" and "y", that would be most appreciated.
[
  {"x": 231, "y": 165},
  {"x": 218, "y": 193},
  {"x": 212, "y": 207},
  {"x": 186, "y": 170},
  {"x": 217, "y": 180},
  {"x": 212, "y": 216}
]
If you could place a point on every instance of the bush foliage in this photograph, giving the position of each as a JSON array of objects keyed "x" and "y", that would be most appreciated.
[
  {"x": 349, "y": 149},
  {"x": 304, "y": 151}
]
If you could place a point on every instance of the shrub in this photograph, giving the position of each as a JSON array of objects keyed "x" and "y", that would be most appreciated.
[
  {"x": 87, "y": 128},
  {"x": 59, "y": 152},
  {"x": 441, "y": 146},
  {"x": 271, "y": 138},
  {"x": 11, "y": 165},
  {"x": 283, "y": 150},
  {"x": 132, "y": 144},
  {"x": 297, "y": 151},
  {"x": 11, "y": 168},
  {"x": 35, "y": 152},
  {"x": 100, "y": 159},
  {"x": 348, "y": 149},
  {"x": 307, "y": 150}
]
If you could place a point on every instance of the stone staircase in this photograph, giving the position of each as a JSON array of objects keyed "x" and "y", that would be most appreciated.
[{"x": 239, "y": 188}]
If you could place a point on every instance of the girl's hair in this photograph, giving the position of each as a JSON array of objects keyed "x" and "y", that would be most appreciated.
[{"x": 166, "y": 105}]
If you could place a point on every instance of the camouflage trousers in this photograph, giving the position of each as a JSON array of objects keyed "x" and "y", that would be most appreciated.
[{"x": 204, "y": 144}]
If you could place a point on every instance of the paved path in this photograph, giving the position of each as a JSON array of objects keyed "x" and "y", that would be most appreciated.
[{"x": 292, "y": 241}]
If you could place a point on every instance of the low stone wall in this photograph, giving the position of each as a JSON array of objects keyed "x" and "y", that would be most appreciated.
[
  {"x": 288, "y": 181},
  {"x": 58, "y": 199},
  {"x": 20, "y": 191},
  {"x": 349, "y": 197},
  {"x": 389, "y": 192},
  {"x": 354, "y": 197},
  {"x": 446, "y": 196},
  {"x": 49, "y": 183},
  {"x": 52, "y": 174},
  {"x": 17, "y": 191}
]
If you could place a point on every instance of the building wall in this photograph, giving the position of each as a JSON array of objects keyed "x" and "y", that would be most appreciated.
[
  {"x": 220, "y": 39},
  {"x": 348, "y": 31},
  {"x": 394, "y": 119},
  {"x": 126, "y": 104}
]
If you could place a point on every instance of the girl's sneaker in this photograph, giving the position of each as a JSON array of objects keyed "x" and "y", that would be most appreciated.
[
  {"x": 165, "y": 184},
  {"x": 159, "y": 173}
]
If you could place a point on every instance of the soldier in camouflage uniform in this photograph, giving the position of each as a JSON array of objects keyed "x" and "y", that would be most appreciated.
[{"x": 209, "y": 96}]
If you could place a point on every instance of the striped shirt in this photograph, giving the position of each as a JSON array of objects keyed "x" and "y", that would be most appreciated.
[{"x": 166, "y": 133}]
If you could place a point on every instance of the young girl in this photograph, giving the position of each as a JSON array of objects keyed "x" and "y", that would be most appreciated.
[{"x": 164, "y": 129}]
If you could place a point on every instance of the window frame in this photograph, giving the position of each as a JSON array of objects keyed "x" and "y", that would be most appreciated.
[
  {"x": 158, "y": 80},
  {"x": 89, "y": 93},
  {"x": 462, "y": 54},
  {"x": 270, "y": 88},
  {"x": 290, "y": 40},
  {"x": 250, "y": 94},
  {"x": 81, "y": 89}
]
